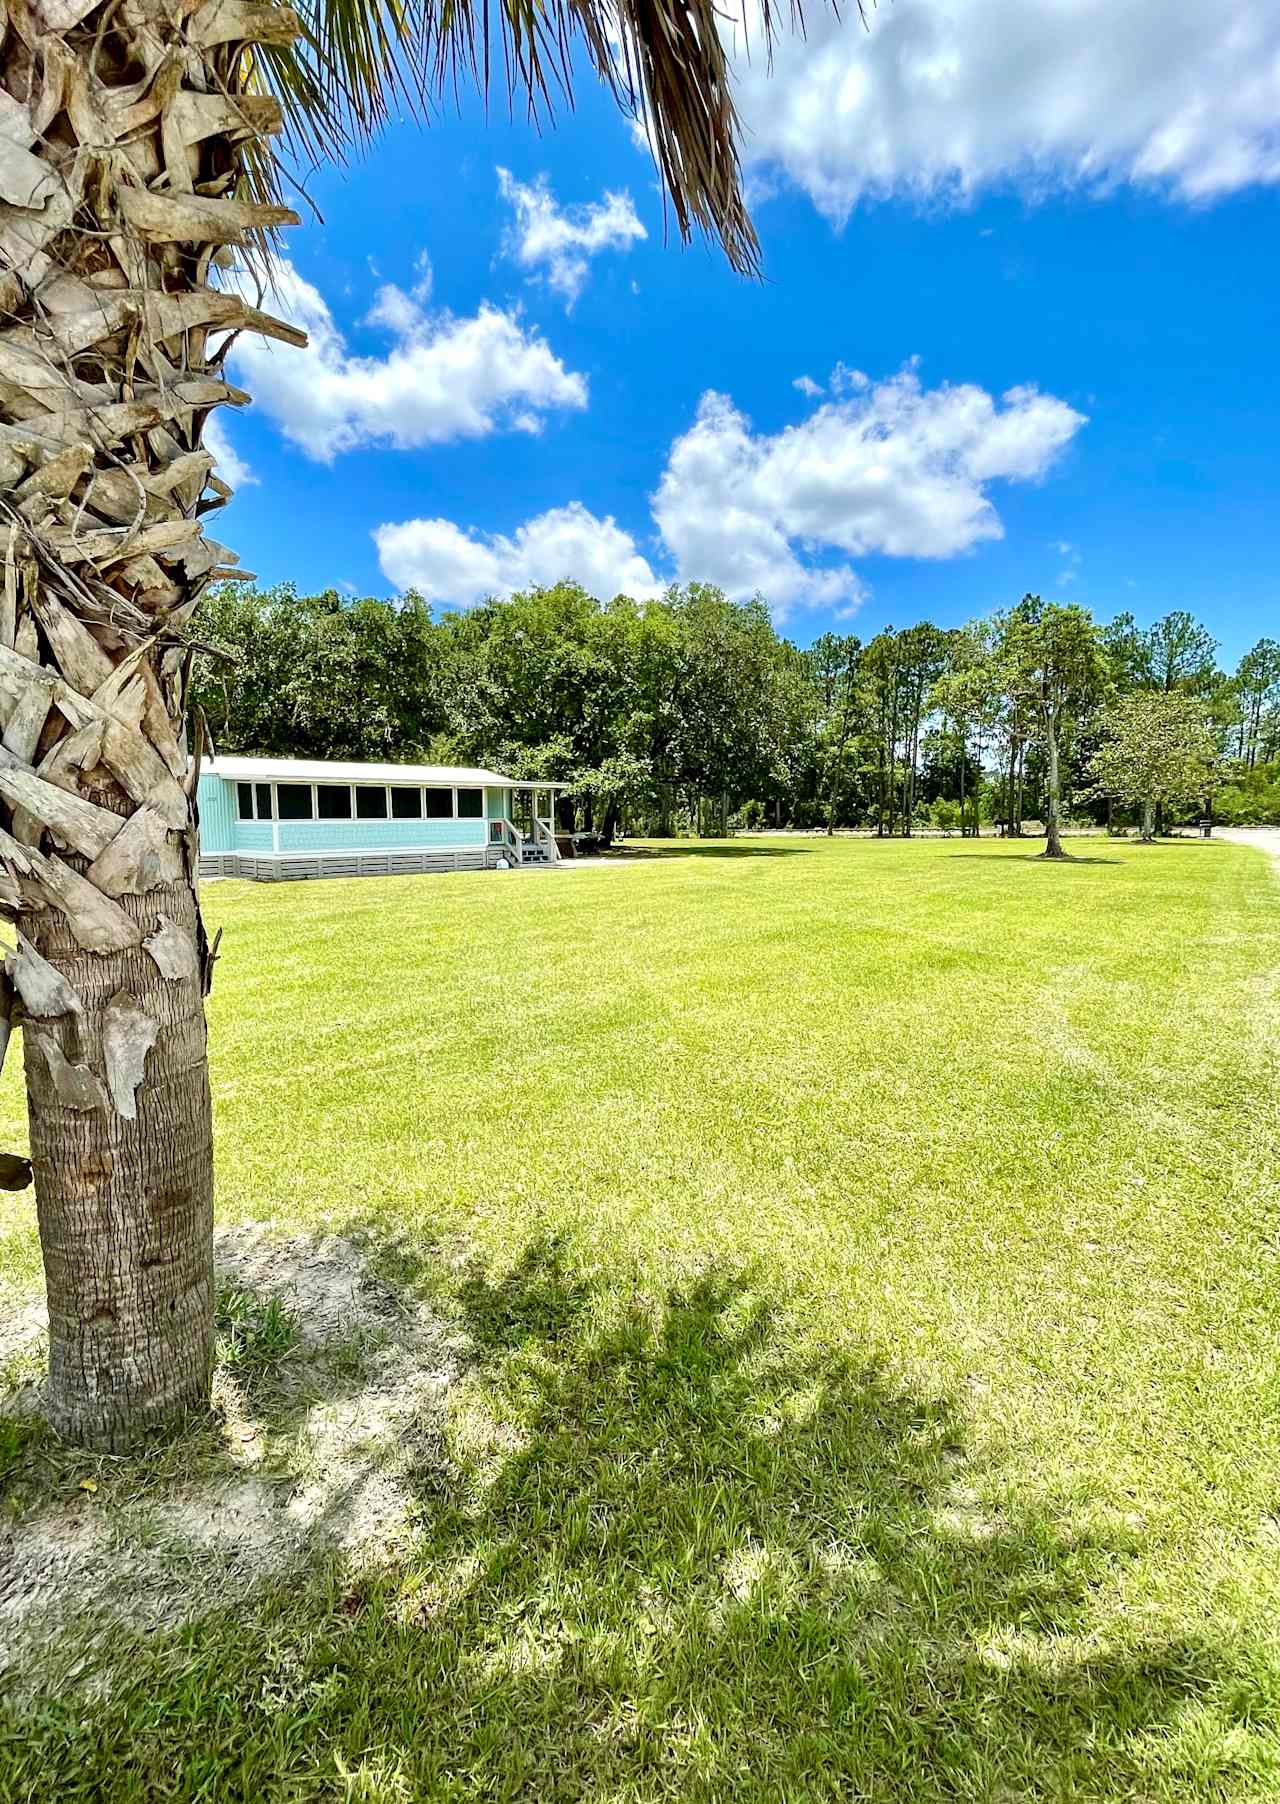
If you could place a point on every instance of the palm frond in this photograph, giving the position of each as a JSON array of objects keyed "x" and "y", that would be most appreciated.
[{"x": 357, "y": 61}]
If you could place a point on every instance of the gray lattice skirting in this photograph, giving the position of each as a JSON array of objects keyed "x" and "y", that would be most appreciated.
[{"x": 269, "y": 868}]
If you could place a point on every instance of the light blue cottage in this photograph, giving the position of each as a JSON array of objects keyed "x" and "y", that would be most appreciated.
[{"x": 272, "y": 818}]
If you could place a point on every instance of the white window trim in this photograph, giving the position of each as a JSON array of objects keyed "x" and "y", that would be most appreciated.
[
  {"x": 386, "y": 797},
  {"x": 484, "y": 811},
  {"x": 440, "y": 789},
  {"x": 483, "y": 820},
  {"x": 334, "y": 820},
  {"x": 418, "y": 789}
]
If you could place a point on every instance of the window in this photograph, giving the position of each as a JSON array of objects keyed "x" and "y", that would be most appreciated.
[
  {"x": 335, "y": 801},
  {"x": 406, "y": 804},
  {"x": 253, "y": 801},
  {"x": 371, "y": 803},
  {"x": 470, "y": 804},
  {"x": 294, "y": 801},
  {"x": 439, "y": 804}
]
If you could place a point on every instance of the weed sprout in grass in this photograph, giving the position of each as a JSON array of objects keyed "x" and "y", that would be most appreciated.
[{"x": 254, "y": 1333}]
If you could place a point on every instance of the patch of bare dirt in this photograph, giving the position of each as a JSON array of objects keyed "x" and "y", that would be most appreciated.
[
  {"x": 325, "y": 1452},
  {"x": 325, "y": 1282}
]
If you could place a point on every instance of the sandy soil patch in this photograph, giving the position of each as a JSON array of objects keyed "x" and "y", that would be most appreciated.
[{"x": 322, "y": 1454}]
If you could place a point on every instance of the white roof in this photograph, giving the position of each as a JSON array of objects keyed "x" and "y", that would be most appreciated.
[{"x": 318, "y": 770}]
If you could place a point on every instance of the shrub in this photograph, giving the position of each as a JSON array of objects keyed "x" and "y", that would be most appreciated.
[{"x": 945, "y": 814}]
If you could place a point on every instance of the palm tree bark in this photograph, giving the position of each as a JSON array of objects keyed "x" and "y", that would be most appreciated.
[
  {"x": 125, "y": 1199},
  {"x": 123, "y": 132}
]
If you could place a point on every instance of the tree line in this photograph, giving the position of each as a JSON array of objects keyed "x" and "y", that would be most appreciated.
[{"x": 691, "y": 712}]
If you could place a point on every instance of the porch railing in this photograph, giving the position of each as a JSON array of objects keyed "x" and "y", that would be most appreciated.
[
  {"x": 541, "y": 837},
  {"x": 507, "y": 835}
]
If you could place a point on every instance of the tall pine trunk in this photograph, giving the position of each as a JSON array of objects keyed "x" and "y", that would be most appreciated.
[
  {"x": 1020, "y": 789},
  {"x": 1052, "y": 789},
  {"x": 125, "y": 126},
  {"x": 880, "y": 784}
]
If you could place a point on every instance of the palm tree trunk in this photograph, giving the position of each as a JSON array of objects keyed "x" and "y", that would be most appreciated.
[
  {"x": 125, "y": 130},
  {"x": 125, "y": 1200}
]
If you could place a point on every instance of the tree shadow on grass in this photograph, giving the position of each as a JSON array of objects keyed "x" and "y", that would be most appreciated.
[
  {"x": 674, "y": 1555},
  {"x": 1179, "y": 842},
  {"x": 1033, "y": 858},
  {"x": 718, "y": 849}
]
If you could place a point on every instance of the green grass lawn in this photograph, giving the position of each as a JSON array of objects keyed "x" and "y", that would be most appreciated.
[{"x": 867, "y": 1256}]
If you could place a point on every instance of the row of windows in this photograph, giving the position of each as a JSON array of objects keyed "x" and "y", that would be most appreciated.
[{"x": 355, "y": 801}]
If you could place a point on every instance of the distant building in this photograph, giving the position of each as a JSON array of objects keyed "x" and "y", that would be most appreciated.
[{"x": 272, "y": 818}]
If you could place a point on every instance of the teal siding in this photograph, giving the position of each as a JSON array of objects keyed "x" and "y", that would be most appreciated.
[
  {"x": 378, "y": 836},
  {"x": 222, "y": 831},
  {"x": 217, "y": 802}
]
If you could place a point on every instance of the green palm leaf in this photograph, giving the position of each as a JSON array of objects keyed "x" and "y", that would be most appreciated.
[{"x": 663, "y": 60}]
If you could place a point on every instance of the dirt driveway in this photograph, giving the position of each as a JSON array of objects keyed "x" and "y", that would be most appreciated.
[{"x": 1267, "y": 839}]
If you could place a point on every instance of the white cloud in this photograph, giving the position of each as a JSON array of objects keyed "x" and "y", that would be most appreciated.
[
  {"x": 880, "y": 467},
  {"x": 1071, "y": 561},
  {"x": 231, "y": 467},
  {"x": 560, "y": 242},
  {"x": 446, "y": 564},
  {"x": 894, "y": 468},
  {"x": 808, "y": 387},
  {"x": 444, "y": 378},
  {"x": 939, "y": 98}
]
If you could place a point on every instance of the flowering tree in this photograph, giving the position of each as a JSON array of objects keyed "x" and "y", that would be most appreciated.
[{"x": 1157, "y": 749}]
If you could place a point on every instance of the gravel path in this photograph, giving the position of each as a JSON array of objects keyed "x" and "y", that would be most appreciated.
[{"x": 1267, "y": 839}]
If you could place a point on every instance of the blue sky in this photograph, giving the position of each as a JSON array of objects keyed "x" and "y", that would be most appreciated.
[{"x": 1029, "y": 273}]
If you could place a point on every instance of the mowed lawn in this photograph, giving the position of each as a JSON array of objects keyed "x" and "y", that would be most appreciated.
[{"x": 868, "y": 1258}]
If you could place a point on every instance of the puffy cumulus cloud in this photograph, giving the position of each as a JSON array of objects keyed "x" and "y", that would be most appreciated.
[
  {"x": 232, "y": 468},
  {"x": 891, "y": 467},
  {"x": 879, "y": 467},
  {"x": 446, "y": 564},
  {"x": 443, "y": 378},
  {"x": 558, "y": 243},
  {"x": 942, "y": 97},
  {"x": 716, "y": 518}
]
